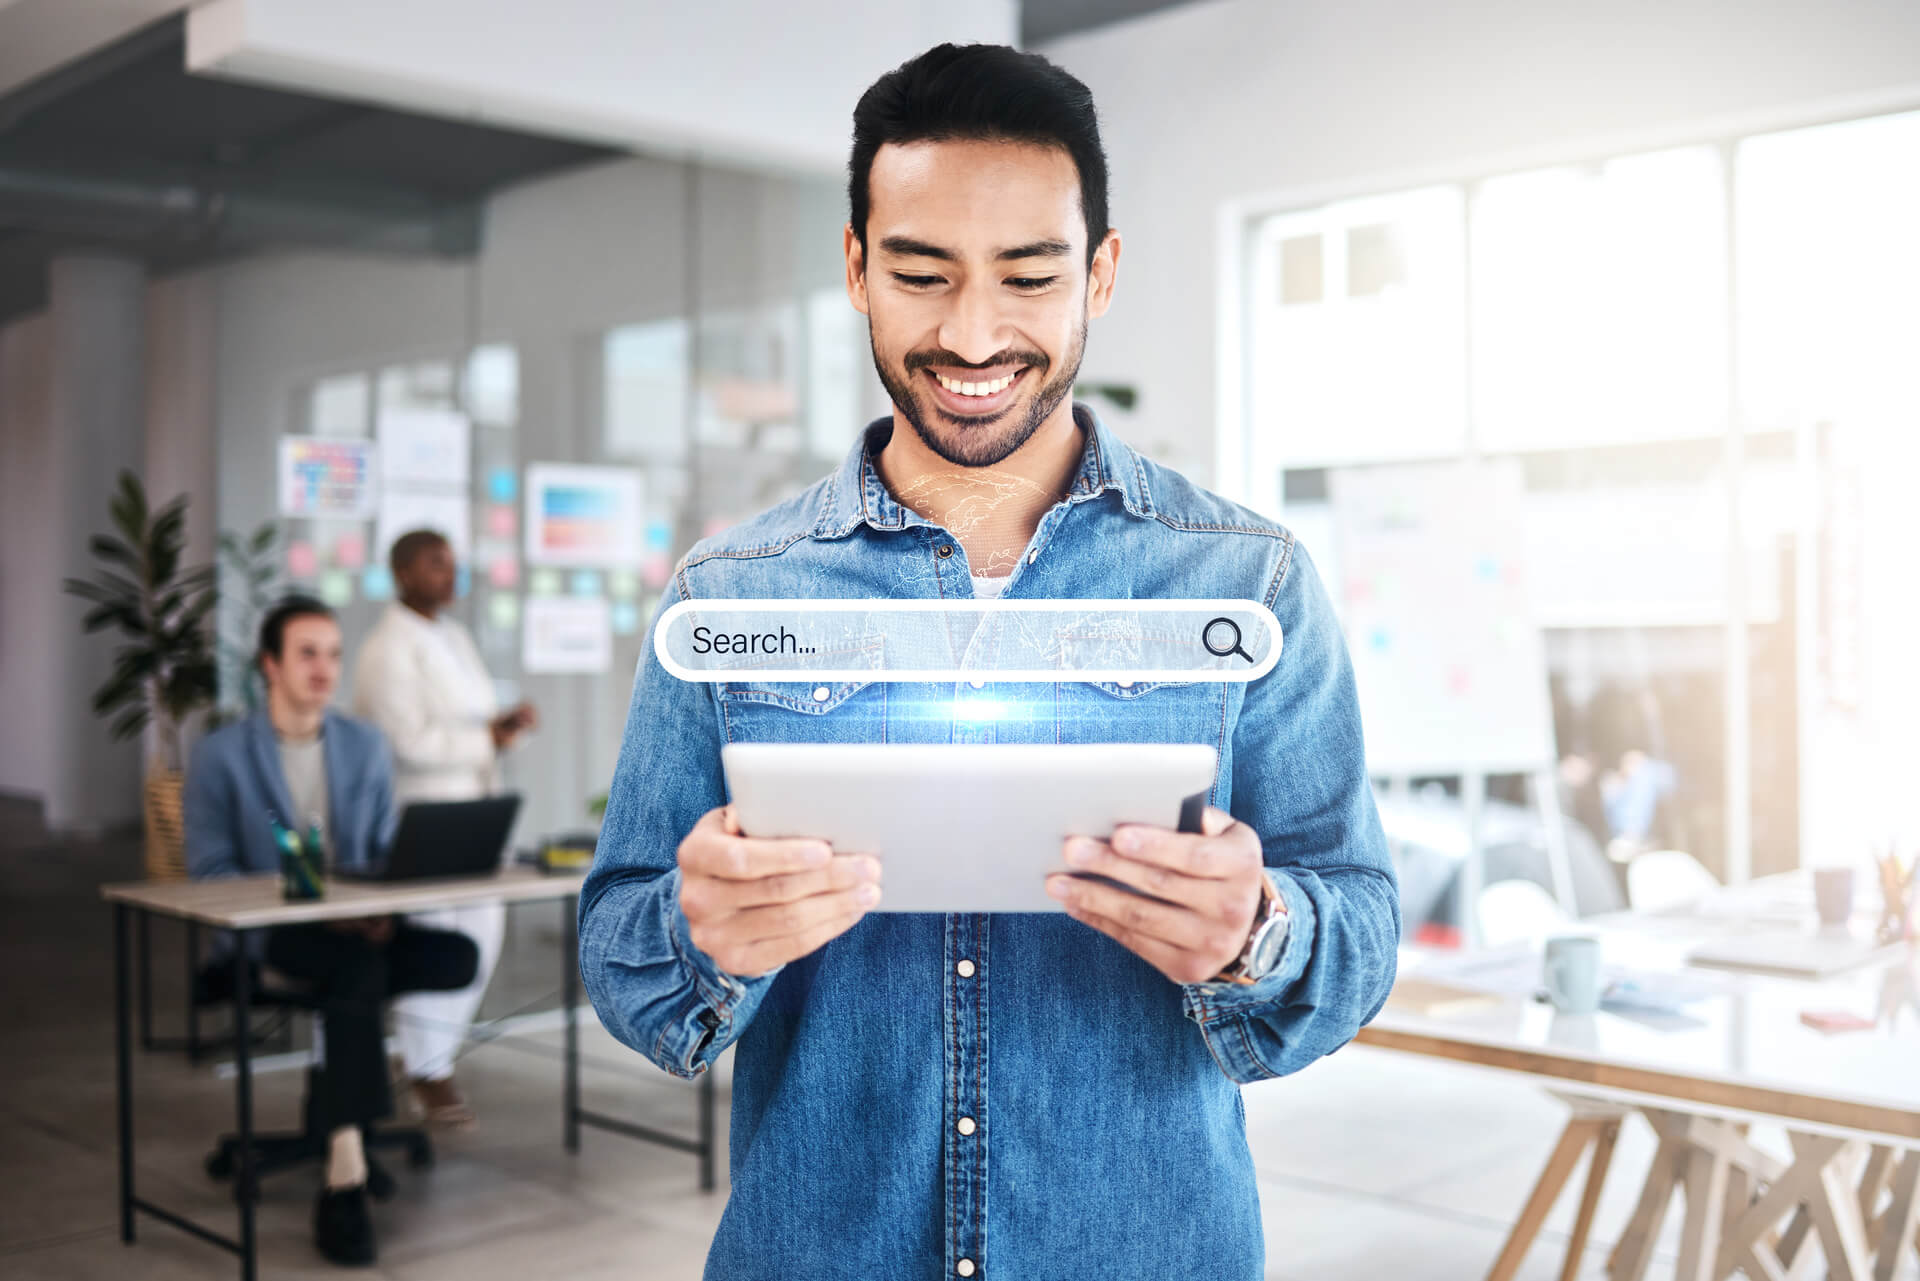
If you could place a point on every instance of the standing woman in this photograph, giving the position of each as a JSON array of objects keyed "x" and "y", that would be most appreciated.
[{"x": 421, "y": 680}]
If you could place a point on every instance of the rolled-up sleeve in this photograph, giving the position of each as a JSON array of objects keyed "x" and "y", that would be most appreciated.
[
  {"x": 652, "y": 988},
  {"x": 1300, "y": 782}
]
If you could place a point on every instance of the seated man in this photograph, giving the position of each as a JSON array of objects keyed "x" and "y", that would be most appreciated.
[{"x": 299, "y": 764}]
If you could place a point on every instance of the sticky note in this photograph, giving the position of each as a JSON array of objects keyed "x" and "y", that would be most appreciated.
[
  {"x": 376, "y": 583},
  {"x": 336, "y": 588}
]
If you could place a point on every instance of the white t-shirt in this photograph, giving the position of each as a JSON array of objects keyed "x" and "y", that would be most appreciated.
[{"x": 988, "y": 588}]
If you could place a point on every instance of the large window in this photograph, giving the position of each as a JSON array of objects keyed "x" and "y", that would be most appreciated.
[{"x": 1679, "y": 346}]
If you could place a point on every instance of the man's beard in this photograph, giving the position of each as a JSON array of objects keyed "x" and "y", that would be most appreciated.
[{"x": 975, "y": 443}]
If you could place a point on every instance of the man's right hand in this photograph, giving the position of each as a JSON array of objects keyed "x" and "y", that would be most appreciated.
[{"x": 753, "y": 904}]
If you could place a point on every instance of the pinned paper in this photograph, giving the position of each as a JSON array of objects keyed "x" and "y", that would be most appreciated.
[
  {"x": 659, "y": 535},
  {"x": 626, "y": 618},
  {"x": 322, "y": 476},
  {"x": 502, "y": 484},
  {"x": 336, "y": 588},
  {"x": 302, "y": 561},
  {"x": 350, "y": 551},
  {"x": 566, "y": 634},
  {"x": 584, "y": 582},
  {"x": 462, "y": 582},
  {"x": 502, "y": 521},
  {"x": 545, "y": 582},
  {"x": 376, "y": 583},
  {"x": 503, "y": 611},
  {"x": 656, "y": 569},
  {"x": 503, "y": 572},
  {"x": 622, "y": 585}
]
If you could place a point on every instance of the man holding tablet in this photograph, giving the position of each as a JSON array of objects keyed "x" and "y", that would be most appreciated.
[{"x": 1032, "y": 1094}]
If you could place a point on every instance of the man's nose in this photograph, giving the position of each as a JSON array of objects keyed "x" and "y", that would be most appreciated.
[{"x": 973, "y": 328}]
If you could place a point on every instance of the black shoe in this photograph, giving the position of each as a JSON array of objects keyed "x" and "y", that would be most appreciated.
[
  {"x": 380, "y": 1184},
  {"x": 342, "y": 1228}
]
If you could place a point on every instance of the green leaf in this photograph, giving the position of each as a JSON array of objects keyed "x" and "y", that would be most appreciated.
[
  {"x": 130, "y": 723},
  {"x": 113, "y": 549},
  {"x": 263, "y": 537},
  {"x": 113, "y": 613}
]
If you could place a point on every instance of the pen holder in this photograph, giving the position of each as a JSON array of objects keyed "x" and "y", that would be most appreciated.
[{"x": 299, "y": 863}]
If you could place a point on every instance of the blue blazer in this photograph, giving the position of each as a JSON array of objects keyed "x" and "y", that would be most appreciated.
[{"x": 235, "y": 785}]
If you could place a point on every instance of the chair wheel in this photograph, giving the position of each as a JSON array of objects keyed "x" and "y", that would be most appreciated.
[
  {"x": 219, "y": 1164},
  {"x": 420, "y": 1154}
]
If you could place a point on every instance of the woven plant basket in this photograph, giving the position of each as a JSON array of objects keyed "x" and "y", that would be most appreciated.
[{"x": 166, "y": 828}]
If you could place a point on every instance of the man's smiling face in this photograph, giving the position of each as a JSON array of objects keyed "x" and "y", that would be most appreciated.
[{"x": 974, "y": 279}]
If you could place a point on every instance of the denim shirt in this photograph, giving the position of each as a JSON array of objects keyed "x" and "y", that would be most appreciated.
[{"x": 1107, "y": 1135}]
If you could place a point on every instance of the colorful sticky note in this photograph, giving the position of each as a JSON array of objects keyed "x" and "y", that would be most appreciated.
[
  {"x": 585, "y": 582},
  {"x": 717, "y": 525},
  {"x": 376, "y": 583},
  {"x": 503, "y": 611},
  {"x": 350, "y": 551},
  {"x": 502, "y": 484},
  {"x": 625, "y": 617},
  {"x": 1488, "y": 569},
  {"x": 1380, "y": 640},
  {"x": 546, "y": 582},
  {"x": 622, "y": 585},
  {"x": 501, "y": 521},
  {"x": 462, "y": 582},
  {"x": 659, "y": 535},
  {"x": 656, "y": 569},
  {"x": 302, "y": 561},
  {"x": 503, "y": 571},
  {"x": 336, "y": 588}
]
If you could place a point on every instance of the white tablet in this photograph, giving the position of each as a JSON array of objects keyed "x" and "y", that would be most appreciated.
[{"x": 963, "y": 827}]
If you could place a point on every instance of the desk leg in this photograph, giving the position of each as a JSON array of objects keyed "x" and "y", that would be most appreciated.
[
  {"x": 123, "y": 1065},
  {"x": 243, "y": 1102},
  {"x": 706, "y": 1130},
  {"x": 145, "y": 981},
  {"x": 570, "y": 1000},
  {"x": 1902, "y": 1218}
]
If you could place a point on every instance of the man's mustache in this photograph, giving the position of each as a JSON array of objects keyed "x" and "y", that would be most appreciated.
[{"x": 928, "y": 359}]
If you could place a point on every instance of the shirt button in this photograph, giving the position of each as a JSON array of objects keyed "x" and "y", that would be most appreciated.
[
  {"x": 821, "y": 693},
  {"x": 964, "y": 1267},
  {"x": 1033, "y": 555},
  {"x": 1124, "y": 684},
  {"x": 976, "y": 684},
  {"x": 966, "y": 1125},
  {"x": 964, "y": 969},
  {"x": 943, "y": 551}
]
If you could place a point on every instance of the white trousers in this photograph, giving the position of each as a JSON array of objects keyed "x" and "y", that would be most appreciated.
[{"x": 432, "y": 1026}]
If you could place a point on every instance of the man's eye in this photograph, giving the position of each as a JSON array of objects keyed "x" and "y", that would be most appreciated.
[
  {"x": 916, "y": 282},
  {"x": 1032, "y": 282}
]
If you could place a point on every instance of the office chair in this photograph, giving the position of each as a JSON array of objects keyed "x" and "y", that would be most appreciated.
[{"x": 274, "y": 1151}]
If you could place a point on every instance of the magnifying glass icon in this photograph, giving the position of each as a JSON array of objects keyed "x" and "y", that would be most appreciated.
[{"x": 1222, "y": 637}]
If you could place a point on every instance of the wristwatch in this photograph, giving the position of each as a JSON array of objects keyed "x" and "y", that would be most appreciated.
[{"x": 1267, "y": 939}]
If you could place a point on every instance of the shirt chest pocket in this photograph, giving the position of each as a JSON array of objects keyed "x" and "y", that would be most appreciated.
[
  {"x": 798, "y": 712},
  {"x": 1140, "y": 712}
]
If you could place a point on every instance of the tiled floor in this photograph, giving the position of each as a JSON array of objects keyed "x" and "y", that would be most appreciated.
[{"x": 1371, "y": 1165}]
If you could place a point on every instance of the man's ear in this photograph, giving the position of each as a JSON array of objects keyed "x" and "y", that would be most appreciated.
[
  {"x": 856, "y": 270},
  {"x": 1101, "y": 274}
]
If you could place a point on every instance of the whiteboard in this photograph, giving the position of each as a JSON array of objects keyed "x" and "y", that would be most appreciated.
[{"x": 1451, "y": 667}]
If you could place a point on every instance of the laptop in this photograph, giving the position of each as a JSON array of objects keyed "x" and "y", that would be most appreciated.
[{"x": 444, "y": 838}]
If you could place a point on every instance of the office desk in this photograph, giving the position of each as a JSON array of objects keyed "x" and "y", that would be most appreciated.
[
  {"x": 245, "y": 904},
  {"x": 1850, "y": 1102}
]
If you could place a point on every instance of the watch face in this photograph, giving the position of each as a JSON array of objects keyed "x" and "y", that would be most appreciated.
[{"x": 1272, "y": 940}]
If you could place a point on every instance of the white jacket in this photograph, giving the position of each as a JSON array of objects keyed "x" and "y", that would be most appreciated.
[{"x": 423, "y": 683}]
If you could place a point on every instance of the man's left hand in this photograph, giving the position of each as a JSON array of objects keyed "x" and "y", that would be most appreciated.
[{"x": 1209, "y": 882}]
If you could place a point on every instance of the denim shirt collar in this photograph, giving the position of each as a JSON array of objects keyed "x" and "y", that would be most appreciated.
[{"x": 855, "y": 494}]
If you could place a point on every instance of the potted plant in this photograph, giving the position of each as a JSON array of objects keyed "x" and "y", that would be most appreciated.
[{"x": 164, "y": 670}]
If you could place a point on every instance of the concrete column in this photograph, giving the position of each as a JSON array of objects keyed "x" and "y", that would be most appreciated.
[{"x": 96, "y": 412}]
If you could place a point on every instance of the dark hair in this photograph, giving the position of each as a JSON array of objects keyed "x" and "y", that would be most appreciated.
[
  {"x": 986, "y": 92},
  {"x": 273, "y": 628},
  {"x": 409, "y": 545}
]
